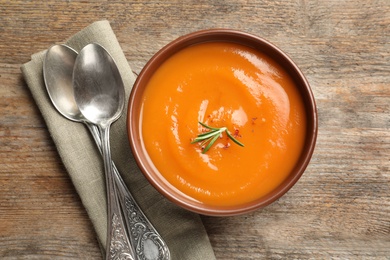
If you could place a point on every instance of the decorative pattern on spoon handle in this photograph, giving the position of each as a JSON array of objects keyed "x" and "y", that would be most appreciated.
[
  {"x": 146, "y": 241},
  {"x": 149, "y": 244},
  {"x": 119, "y": 247}
]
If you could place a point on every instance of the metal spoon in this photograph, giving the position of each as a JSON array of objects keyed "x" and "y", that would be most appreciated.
[
  {"x": 99, "y": 94},
  {"x": 58, "y": 68}
]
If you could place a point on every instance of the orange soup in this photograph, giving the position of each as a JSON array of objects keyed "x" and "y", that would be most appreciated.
[{"x": 223, "y": 85}]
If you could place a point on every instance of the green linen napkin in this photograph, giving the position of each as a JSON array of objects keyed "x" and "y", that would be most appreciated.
[{"x": 182, "y": 230}]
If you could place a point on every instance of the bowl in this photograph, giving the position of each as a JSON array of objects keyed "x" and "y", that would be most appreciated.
[{"x": 165, "y": 186}]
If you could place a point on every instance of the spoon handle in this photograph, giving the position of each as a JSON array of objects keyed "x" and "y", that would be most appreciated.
[
  {"x": 144, "y": 238},
  {"x": 118, "y": 244}
]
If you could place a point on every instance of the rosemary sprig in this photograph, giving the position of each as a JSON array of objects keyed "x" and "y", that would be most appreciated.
[{"x": 211, "y": 136}]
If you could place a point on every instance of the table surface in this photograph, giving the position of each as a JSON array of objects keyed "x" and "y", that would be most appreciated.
[{"x": 340, "y": 208}]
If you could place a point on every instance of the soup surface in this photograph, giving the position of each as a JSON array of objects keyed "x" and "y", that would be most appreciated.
[{"x": 223, "y": 85}]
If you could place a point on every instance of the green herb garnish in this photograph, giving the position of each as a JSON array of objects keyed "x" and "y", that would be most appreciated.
[{"x": 211, "y": 136}]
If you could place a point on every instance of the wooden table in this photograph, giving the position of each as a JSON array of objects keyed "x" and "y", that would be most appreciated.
[{"x": 340, "y": 208}]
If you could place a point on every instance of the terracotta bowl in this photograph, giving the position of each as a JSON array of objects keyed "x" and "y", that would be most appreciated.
[{"x": 134, "y": 108}]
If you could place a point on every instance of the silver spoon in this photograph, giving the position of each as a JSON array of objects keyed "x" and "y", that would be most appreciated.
[
  {"x": 99, "y": 94},
  {"x": 58, "y": 68}
]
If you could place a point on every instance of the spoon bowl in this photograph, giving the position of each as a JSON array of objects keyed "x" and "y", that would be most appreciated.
[
  {"x": 57, "y": 73},
  {"x": 98, "y": 86}
]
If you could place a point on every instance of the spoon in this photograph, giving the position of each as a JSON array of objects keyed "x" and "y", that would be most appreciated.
[
  {"x": 57, "y": 70},
  {"x": 99, "y": 94}
]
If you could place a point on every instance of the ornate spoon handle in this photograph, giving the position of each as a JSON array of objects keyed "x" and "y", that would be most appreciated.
[
  {"x": 144, "y": 238},
  {"x": 118, "y": 242}
]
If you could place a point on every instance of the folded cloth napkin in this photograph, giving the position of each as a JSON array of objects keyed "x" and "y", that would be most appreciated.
[{"x": 182, "y": 230}]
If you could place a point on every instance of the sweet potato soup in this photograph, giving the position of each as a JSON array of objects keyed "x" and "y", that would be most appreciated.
[{"x": 223, "y": 85}]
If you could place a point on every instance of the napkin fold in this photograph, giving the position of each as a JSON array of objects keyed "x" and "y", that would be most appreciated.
[{"x": 182, "y": 230}]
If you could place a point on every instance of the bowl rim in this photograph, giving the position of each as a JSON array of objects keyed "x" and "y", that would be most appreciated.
[{"x": 243, "y": 38}]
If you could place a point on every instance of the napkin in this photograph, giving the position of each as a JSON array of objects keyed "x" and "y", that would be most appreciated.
[{"x": 182, "y": 230}]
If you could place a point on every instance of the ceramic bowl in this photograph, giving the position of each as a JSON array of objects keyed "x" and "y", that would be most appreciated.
[{"x": 134, "y": 109}]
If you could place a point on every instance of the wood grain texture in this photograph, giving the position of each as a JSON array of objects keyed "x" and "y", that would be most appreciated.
[{"x": 340, "y": 208}]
